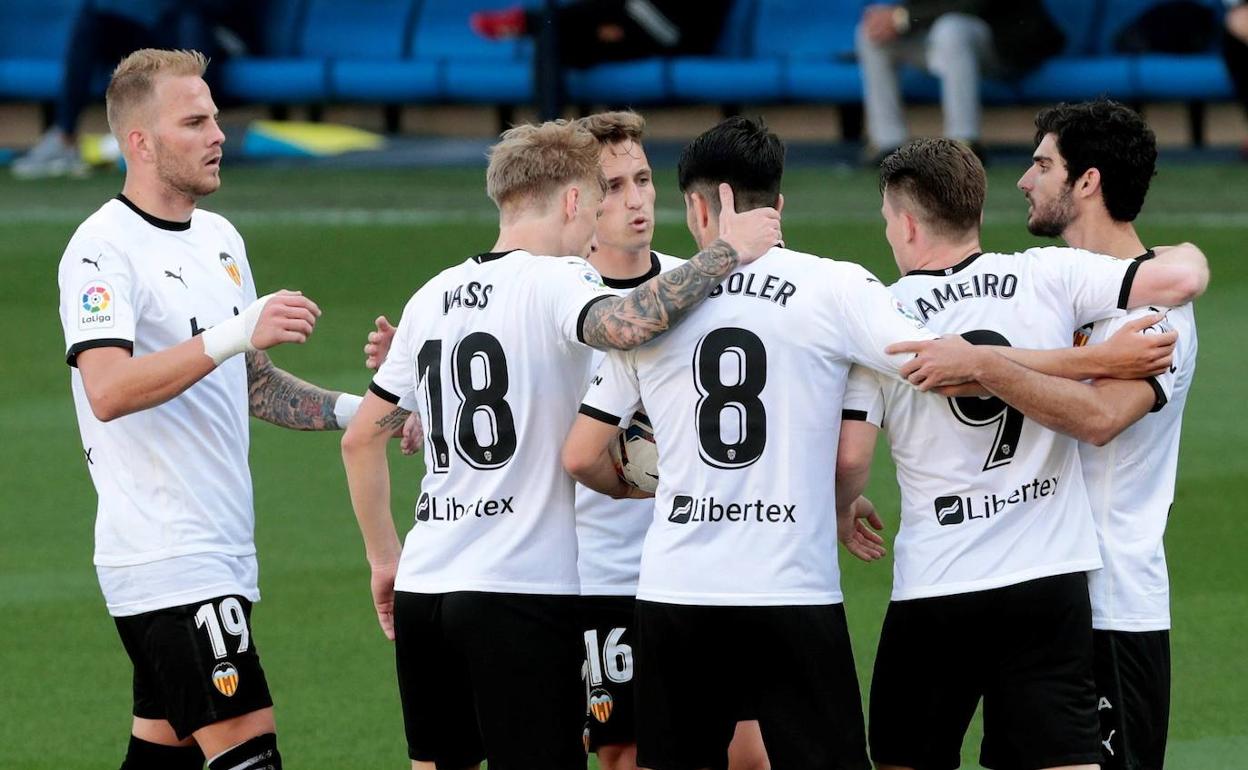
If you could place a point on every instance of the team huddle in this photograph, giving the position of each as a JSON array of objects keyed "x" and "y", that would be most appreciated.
[{"x": 1032, "y": 403}]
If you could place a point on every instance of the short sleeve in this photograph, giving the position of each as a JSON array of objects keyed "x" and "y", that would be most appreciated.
[
  {"x": 1162, "y": 384},
  {"x": 864, "y": 397},
  {"x": 875, "y": 319},
  {"x": 614, "y": 392},
  {"x": 396, "y": 378},
  {"x": 570, "y": 286},
  {"x": 98, "y": 298},
  {"x": 1097, "y": 285}
]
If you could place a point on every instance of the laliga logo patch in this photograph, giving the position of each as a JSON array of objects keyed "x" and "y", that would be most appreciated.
[
  {"x": 225, "y": 679},
  {"x": 601, "y": 704},
  {"x": 906, "y": 313},
  {"x": 96, "y": 309},
  {"x": 231, "y": 268}
]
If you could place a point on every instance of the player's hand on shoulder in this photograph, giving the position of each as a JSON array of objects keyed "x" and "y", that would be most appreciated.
[
  {"x": 858, "y": 530},
  {"x": 1138, "y": 350},
  {"x": 285, "y": 316},
  {"x": 751, "y": 233},
  {"x": 378, "y": 345},
  {"x": 936, "y": 363}
]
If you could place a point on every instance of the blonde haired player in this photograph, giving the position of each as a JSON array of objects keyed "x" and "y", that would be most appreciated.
[
  {"x": 165, "y": 339},
  {"x": 493, "y": 353}
]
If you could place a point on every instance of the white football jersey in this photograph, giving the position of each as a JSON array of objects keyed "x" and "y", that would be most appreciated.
[
  {"x": 174, "y": 522},
  {"x": 1130, "y": 484},
  {"x": 989, "y": 498},
  {"x": 744, "y": 396},
  {"x": 609, "y": 532},
  {"x": 489, "y": 354}
]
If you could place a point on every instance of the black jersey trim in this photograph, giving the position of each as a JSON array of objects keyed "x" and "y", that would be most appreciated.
[
  {"x": 490, "y": 256},
  {"x": 949, "y": 270},
  {"x": 71, "y": 356},
  {"x": 600, "y": 415},
  {"x": 1128, "y": 281},
  {"x": 163, "y": 224},
  {"x": 632, "y": 283},
  {"x": 857, "y": 415},
  {"x": 1159, "y": 394},
  {"x": 580, "y": 319},
  {"x": 382, "y": 393}
]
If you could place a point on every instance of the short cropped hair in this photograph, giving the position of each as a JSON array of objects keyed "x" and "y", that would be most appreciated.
[
  {"x": 1110, "y": 137},
  {"x": 531, "y": 162},
  {"x": 134, "y": 80},
  {"x": 615, "y": 127},
  {"x": 943, "y": 179},
  {"x": 740, "y": 151}
]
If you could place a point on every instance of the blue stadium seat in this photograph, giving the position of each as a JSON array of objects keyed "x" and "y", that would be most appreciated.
[
  {"x": 472, "y": 69},
  {"x": 646, "y": 81},
  {"x": 1079, "y": 78},
  {"x": 736, "y": 74},
  {"x": 1168, "y": 77},
  {"x": 33, "y": 36},
  {"x": 277, "y": 74},
  {"x": 367, "y": 43},
  {"x": 1078, "y": 19}
]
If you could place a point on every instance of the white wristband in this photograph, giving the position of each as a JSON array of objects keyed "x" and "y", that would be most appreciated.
[
  {"x": 345, "y": 408},
  {"x": 231, "y": 337}
]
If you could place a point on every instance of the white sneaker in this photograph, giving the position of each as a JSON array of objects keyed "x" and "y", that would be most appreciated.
[{"x": 49, "y": 158}]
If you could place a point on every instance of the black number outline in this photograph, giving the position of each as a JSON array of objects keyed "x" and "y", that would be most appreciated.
[
  {"x": 714, "y": 397},
  {"x": 978, "y": 411}
]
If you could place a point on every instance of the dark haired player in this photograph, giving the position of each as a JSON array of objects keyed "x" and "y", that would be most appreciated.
[
  {"x": 989, "y": 597},
  {"x": 739, "y": 605}
]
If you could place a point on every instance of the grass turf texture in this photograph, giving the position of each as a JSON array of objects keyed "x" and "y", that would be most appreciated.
[{"x": 360, "y": 242}]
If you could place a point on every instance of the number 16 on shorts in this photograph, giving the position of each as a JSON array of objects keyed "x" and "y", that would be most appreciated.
[{"x": 614, "y": 660}]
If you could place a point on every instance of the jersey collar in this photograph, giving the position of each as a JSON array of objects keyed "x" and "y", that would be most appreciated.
[
  {"x": 163, "y": 224},
  {"x": 949, "y": 270},
  {"x": 1147, "y": 255},
  {"x": 632, "y": 283},
  {"x": 490, "y": 256}
]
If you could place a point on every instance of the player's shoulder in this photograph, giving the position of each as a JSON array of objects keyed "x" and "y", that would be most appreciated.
[
  {"x": 105, "y": 230},
  {"x": 836, "y": 274},
  {"x": 215, "y": 221},
  {"x": 667, "y": 261}
]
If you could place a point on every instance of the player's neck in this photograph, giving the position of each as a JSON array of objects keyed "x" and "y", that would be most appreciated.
[
  {"x": 536, "y": 236},
  {"x": 1104, "y": 236},
  {"x": 621, "y": 264},
  {"x": 159, "y": 201},
  {"x": 945, "y": 254}
]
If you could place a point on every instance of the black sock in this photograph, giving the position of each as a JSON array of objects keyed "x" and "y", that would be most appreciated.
[{"x": 259, "y": 753}]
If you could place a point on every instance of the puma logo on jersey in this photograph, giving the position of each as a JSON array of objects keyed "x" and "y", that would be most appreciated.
[
  {"x": 95, "y": 262},
  {"x": 178, "y": 276}
]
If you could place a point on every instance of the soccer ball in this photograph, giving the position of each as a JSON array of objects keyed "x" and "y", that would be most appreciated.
[{"x": 635, "y": 455}]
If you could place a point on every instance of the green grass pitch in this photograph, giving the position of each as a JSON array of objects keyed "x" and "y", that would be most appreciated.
[{"x": 360, "y": 242}]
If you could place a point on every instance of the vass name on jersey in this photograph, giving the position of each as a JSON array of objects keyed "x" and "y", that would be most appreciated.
[{"x": 470, "y": 295}]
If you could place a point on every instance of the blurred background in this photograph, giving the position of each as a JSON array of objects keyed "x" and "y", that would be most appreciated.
[{"x": 357, "y": 132}]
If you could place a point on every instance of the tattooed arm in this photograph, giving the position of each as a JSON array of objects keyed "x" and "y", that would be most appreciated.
[
  {"x": 279, "y": 397},
  {"x": 368, "y": 477},
  {"x": 623, "y": 323}
]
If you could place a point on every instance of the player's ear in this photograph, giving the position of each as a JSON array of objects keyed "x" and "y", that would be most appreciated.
[
  {"x": 1090, "y": 183},
  {"x": 779, "y": 203},
  {"x": 136, "y": 142},
  {"x": 571, "y": 203}
]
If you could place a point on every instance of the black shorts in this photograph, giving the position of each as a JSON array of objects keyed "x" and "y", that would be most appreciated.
[
  {"x": 700, "y": 669},
  {"x": 1026, "y": 649},
  {"x": 491, "y": 676},
  {"x": 195, "y": 664},
  {"x": 607, "y": 630},
  {"x": 1133, "y": 697}
]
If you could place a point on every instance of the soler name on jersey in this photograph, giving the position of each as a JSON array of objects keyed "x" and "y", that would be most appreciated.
[
  {"x": 470, "y": 295},
  {"x": 979, "y": 285},
  {"x": 772, "y": 288}
]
